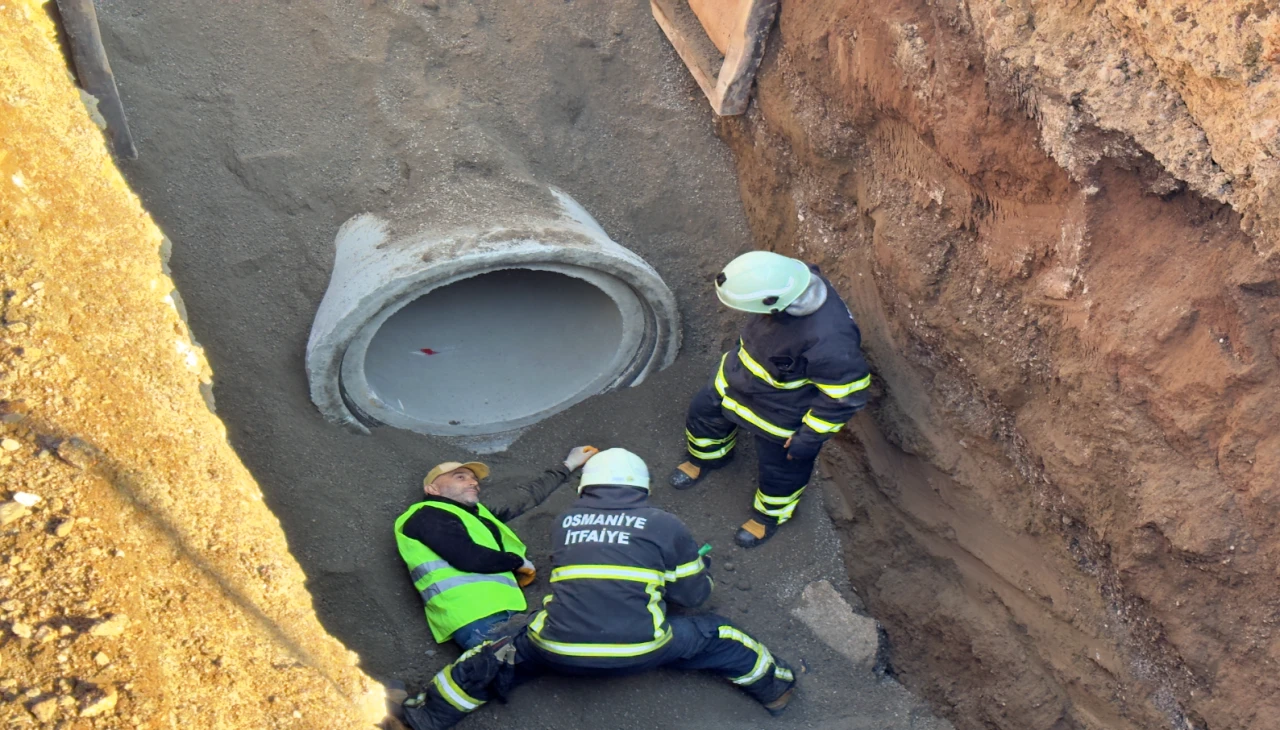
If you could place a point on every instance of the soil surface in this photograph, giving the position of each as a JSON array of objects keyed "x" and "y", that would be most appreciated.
[
  {"x": 262, "y": 127},
  {"x": 142, "y": 582},
  {"x": 1070, "y": 481}
]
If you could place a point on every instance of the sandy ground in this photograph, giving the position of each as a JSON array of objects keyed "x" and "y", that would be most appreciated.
[{"x": 262, "y": 127}]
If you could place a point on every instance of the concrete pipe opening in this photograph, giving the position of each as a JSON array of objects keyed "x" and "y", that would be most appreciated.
[{"x": 478, "y": 332}]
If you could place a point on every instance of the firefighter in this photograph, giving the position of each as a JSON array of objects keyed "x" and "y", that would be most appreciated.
[
  {"x": 466, "y": 563},
  {"x": 796, "y": 376},
  {"x": 616, "y": 564}
]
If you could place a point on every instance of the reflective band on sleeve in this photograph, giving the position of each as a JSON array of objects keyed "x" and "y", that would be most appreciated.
[
  {"x": 819, "y": 425},
  {"x": 692, "y": 567},
  {"x": 763, "y": 658},
  {"x": 421, "y": 571},
  {"x": 452, "y": 693},
  {"x": 440, "y": 586},
  {"x": 758, "y": 370},
  {"x": 607, "y": 572},
  {"x": 840, "y": 391},
  {"x": 746, "y": 414},
  {"x": 783, "y": 674}
]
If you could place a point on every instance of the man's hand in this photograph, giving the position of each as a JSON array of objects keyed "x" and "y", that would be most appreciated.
[
  {"x": 579, "y": 456},
  {"x": 526, "y": 574},
  {"x": 803, "y": 451}
]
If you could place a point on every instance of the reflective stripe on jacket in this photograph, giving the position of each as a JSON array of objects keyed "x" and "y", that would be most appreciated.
[
  {"x": 616, "y": 562},
  {"x": 801, "y": 377},
  {"x": 454, "y": 598}
]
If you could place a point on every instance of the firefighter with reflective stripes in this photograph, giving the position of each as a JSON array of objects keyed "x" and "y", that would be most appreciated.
[
  {"x": 464, "y": 561},
  {"x": 796, "y": 376},
  {"x": 617, "y": 563}
]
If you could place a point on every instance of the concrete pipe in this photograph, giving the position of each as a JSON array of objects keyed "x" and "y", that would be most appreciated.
[{"x": 480, "y": 331}]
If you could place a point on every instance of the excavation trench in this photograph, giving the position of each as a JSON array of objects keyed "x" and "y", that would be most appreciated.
[{"x": 1060, "y": 504}]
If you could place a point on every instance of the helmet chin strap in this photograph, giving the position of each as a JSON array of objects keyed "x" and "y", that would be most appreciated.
[{"x": 814, "y": 296}]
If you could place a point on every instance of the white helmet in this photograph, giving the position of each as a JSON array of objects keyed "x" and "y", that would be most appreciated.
[
  {"x": 762, "y": 281},
  {"x": 617, "y": 467}
]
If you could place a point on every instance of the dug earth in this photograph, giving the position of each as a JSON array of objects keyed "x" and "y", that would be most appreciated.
[{"x": 1057, "y": 225}]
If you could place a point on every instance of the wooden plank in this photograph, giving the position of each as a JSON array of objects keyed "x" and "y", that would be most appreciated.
[
  {"x": 720, "y": 19},
  {"x": 728, "y": 88}
]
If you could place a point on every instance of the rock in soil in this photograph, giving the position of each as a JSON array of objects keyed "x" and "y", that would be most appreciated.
[
  {"x": 45, "y": 709},
  {"x": 99, "y": 702},
  {"x": 77, "y": 453},
  {"x": 11, "y": 511},
  {"x": 112, "y": 627}
]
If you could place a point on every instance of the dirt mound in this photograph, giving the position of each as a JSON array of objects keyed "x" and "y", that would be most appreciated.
[
  {"x": 143, "y": 583},
  {"x": 1052, "y": 218}
]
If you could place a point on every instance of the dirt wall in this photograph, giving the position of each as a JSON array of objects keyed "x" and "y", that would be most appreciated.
[
  {"x": 143, "y": 583},
  {"x": 1055, "y": 223}
]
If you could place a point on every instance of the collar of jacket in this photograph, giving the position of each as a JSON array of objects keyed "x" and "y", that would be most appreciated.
[
  {"x": 609, "y": 496},
  {"x": 814, "y": 296},
  {"x": 468, "y": 507}
]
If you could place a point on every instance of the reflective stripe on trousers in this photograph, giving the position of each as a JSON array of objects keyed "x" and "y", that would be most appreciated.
[
  {"x": 450, "y": 690},
  {"x": 764, "y": 660},
  {"x": 779, "y": 508},
  {"x": 708, "y": 448}
]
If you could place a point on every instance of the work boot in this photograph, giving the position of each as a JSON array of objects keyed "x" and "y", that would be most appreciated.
[
  {"x": 686, "y": 475},
  {"x": 779, "y": 706},
  {"x": 756, "y": 531},
  {"x": 777, "y": 689},
  {"x": 396, "y": 695}
]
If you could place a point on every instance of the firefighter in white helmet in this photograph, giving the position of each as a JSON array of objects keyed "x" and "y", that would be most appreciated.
[
  {"x": 616, "y": 564},
  {"x": 796, "y": 376}
]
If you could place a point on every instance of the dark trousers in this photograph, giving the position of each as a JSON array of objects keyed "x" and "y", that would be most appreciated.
[
  {"x": 477, "y": 632},
  {"x": 711, "y": 438},
  {"x": 706, "y": 642}
]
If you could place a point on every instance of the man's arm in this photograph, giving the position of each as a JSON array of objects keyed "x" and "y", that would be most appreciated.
[
  {"x": 514, "y": 502},
  {"x": 842, "y": 380},
  {"x": 447, "y": 536},
  {"x": 688, "y": 582}
]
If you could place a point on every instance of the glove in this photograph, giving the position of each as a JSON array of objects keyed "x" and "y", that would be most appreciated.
[
  {"x": 526, "y": 574},
  {"x": 706, "y": 562},
  {"x": 803, "y": 450},
  {"x": 579, "y": 456}
]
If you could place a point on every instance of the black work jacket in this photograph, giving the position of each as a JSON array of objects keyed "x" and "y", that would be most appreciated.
[
  {"x": 812, "y": 375},
  {"x": 616, "y": 563}
]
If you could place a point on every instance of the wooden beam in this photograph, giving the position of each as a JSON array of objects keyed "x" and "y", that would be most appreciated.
[{"x": 724, "y": 79}]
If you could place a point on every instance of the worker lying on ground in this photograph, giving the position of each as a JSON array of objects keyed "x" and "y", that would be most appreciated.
[
  {"x": 467, "y": 565},
  {"x": 795, "y": 378},
  {"x": 616, "y": 564}
]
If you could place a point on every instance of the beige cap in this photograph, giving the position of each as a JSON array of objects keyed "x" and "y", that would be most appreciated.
[{"x": 480, "y": 470}]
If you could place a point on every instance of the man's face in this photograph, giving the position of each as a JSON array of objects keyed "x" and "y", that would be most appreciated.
[{"x": 460, "y": 485}]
